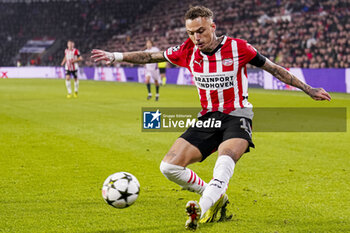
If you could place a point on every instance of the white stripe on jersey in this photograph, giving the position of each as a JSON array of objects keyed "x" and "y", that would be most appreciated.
[
  {"x": 206, "y": 71},
  {"x": 218, "y": 61},
  {"x": 191, "y": 68},
  {"x": 235, "y": 70},
  {"x": 219, "y": 70},
  {"x": 221, "y": 100},
  {"x": 245, "y": 89},
  {"x": 192, "y": 59},
  {"x": 205, "y": 64},
  {"x": 244, "y": 83},
  {"x": 224, "y": 40}
]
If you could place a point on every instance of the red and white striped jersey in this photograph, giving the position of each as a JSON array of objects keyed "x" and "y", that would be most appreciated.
[
  {"x": 220, "y": 76},
  {"x": 70, "y": 55}
]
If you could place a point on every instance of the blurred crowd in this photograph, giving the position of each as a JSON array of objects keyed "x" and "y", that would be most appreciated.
[
  {"x": 87, "y": 22},
  {"x": 293, "y": 33}
]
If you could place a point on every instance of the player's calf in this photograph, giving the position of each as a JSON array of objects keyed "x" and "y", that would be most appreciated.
[
  {"x": 223, "y": 172},
  {"x": 183, "y": 176}
]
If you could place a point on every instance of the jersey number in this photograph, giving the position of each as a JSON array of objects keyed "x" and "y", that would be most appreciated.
[{"x": 246, "y": 126}]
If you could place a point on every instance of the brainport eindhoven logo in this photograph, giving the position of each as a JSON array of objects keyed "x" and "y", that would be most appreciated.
[{"x": 152, "y": 120}]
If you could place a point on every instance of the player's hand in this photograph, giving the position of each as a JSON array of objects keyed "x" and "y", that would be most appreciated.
[
  {"x": 100, "y": 55},
  {"x": 319, "y": 94}
]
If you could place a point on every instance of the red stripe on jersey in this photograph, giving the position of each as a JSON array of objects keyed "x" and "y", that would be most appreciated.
[
  {"x": 75, "y": 52},
  {"x": 198, "y": 62},
  {"x": 69, "y": 64},
  {"x": 212, "y": 63},
  {"x": 229, "y": 100},
  {"x": 214, "y": 100},
  {"x": 239, "y": 84},
  {"x": 188, "y": 59},
  {"x": 204, "y": 101}
]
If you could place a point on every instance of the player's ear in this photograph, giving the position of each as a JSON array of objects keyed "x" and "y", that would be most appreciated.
[{"x": 213, "y": 26}]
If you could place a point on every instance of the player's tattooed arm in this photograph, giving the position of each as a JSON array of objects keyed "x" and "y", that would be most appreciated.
[
  {"x": 288, "y": 78},
  {"x": 138, "y": 57},
  {"x": 143, "y": 57}
]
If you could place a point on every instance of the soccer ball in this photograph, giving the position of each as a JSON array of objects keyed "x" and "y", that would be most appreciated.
[{"x": 121, "y": 190}]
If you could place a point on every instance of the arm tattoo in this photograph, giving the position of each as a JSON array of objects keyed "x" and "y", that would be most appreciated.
[
  {"x": 141, "y": 57},
  {"x": 285, "y": 76}
]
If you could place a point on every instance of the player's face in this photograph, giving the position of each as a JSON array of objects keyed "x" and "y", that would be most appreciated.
[
  {"x": 149, "y": 44},
  {"x": 201, "y": 31},
  {"x": 70, "y": 45}
]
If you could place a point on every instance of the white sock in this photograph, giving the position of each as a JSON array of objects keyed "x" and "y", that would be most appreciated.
[
  {"x": 223, "y": 172},
  {"x": 76, "y": 86},
  {"x": 184, "y": 177},
  {"x": 69, "y": 88}
]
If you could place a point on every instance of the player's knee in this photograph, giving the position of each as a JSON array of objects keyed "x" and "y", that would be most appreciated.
[
  {"x": 165, "y": 168},
  {"x": 235, "y": 155},
  {"x": 170, "y": 170}
]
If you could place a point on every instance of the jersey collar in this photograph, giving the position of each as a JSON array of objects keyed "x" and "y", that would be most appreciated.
[{"x": 217, "y": 48}]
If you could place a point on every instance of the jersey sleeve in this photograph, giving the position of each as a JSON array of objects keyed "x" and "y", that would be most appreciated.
[
  {"x": 258, "y": 61},
  {"x": 246, "y": 51},
  {"x": 179, "y": 55},
  {"x": 77, "y": 53}
]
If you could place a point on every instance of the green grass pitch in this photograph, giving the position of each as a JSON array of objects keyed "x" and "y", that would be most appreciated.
[{"x": 55, "y": 154}]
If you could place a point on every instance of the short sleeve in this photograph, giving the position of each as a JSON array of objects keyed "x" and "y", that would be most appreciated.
[
  {"x": 77, "y": 53},
  {"x": 179, "y": 55},
  {"x": 246, "y": 51}
]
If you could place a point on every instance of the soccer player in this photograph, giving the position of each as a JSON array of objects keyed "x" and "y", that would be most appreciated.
[
  {"x": 71, "y": 59},
  {"x": 152, "y": 71},
  {"x": 218, "y": 65}
]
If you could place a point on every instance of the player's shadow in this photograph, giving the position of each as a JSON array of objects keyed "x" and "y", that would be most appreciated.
[{"x": 163, "y": 228}]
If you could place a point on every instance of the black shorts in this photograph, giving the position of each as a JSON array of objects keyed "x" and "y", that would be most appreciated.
[
  {"x": 72, "y": 72},
  {"x": 207, "y": 140},
  {"x": 162, "y": 70}
]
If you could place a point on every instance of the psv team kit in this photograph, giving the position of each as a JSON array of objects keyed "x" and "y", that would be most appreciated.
[
  {"x": 71, "y": 67},
  {"x": 222, "y": 84}
]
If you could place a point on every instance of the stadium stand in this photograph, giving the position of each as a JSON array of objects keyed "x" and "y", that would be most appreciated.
[
  {"x": 307, "y": 34},
  {"x": 88, "y": 23}
]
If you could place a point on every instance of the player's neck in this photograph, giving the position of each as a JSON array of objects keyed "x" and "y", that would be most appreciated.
[{"x": 216, "y": 41}]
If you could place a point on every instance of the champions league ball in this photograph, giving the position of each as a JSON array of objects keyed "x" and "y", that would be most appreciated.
[{"x": 120, "y": 190}]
